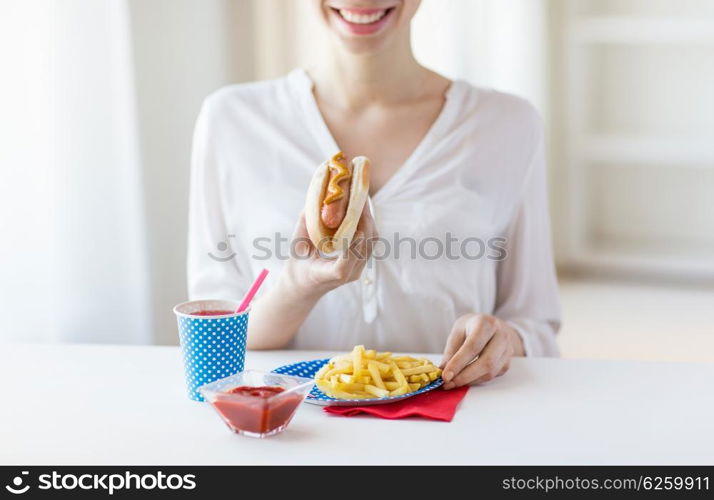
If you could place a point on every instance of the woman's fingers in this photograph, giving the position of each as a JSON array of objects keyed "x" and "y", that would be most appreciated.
[
  {"x": 362, "y": 250},
  {"x": 336, "y": 270},
  {"x": 349, "y": 264},
  {"x": 455, "y": 339},
  {"x": 489, "y": 364},
  {"x": 302, "y": 246},
  {"x": 478, "y": 330},
  {"x": 504, "y": 363},
  {"x": 362, "y": 244},
  {"x": 349, "y": 260}
]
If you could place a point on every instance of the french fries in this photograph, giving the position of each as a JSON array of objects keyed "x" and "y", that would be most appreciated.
[{"x": 366, "y": 373}]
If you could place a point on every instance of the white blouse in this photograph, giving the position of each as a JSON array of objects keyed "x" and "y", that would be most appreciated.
[{"x": 474, "y": 189}]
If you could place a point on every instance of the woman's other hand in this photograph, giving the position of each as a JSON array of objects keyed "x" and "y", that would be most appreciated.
[{"x": 479, "y": 348}]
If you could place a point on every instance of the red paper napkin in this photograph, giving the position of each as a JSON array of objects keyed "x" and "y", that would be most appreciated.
[{"x": 436, "y": 405}]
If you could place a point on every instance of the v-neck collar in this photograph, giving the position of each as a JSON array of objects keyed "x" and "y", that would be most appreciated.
[{"x": 318, "y": 127}]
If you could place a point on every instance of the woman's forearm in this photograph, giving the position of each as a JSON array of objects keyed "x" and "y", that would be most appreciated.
[{"x": 276, "y": 317}]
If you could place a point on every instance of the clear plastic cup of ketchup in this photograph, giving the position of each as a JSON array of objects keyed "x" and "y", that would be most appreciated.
[{"x": 255, "y": 403}]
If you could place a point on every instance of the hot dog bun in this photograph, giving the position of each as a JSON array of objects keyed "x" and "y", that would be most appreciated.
[{"x": 328, "y": 240}]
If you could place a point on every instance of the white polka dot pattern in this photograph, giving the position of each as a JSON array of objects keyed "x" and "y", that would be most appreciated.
[{"x": 213, "y": 348}]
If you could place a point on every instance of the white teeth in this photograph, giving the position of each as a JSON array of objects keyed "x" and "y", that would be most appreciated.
[{"x": 353, "y": 17}]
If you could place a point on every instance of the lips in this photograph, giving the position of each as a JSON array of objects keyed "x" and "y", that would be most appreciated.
[
  {"x": 362, "y": 17},
  {"x": 360, "y": 21}
]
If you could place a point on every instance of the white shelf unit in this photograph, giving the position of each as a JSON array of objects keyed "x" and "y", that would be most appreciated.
[{"x": 596, "y": 147}]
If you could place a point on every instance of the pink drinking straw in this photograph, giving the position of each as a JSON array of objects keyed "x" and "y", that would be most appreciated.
[{"x": 252, "y": 291}]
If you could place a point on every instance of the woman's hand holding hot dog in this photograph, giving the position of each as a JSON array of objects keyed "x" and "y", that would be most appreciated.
[
  {"x": 307, "y": 276},
  {"x": 311, "y": 275},
  {"x": 479, "y": 348}
]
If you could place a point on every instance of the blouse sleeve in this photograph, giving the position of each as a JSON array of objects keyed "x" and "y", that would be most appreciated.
[
  {"x": 527, "y": 295},
  {"x": 213, "y": 270}
]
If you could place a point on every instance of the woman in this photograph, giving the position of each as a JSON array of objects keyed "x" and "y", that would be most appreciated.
[{"x": 456, "y": 170}]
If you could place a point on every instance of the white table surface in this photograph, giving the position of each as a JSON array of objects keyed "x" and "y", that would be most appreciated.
[{"x": 126, "y": 405}]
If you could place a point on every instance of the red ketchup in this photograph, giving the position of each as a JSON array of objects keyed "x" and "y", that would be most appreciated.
[
  {"x": 259, "y": 410},
  {"x": 212, "y": 313}
]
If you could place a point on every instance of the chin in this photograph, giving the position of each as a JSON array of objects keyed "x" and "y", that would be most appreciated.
[{"x": 366, "y": 26}]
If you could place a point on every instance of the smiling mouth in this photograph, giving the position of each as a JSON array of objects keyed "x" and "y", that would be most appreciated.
[{"x": 363, "y": 18}]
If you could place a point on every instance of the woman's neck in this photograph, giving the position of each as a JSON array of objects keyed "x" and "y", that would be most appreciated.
[{"x": 352, "y": 81}]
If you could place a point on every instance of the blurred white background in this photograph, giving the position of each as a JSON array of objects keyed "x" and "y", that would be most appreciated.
[{"x": 99, "y": 97}]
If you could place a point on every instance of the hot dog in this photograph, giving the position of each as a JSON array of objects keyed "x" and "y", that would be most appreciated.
[
  {"x": 335, "y": 199},
  {"x": 334, "y": 205}
]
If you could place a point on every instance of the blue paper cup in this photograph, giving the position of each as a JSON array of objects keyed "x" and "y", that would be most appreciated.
[{"x": 213, "y": 346}]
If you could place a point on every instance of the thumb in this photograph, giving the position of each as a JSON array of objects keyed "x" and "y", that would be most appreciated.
[
  {"x": 301, "y": 239},
  {"x": 301, "y": 227}
]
